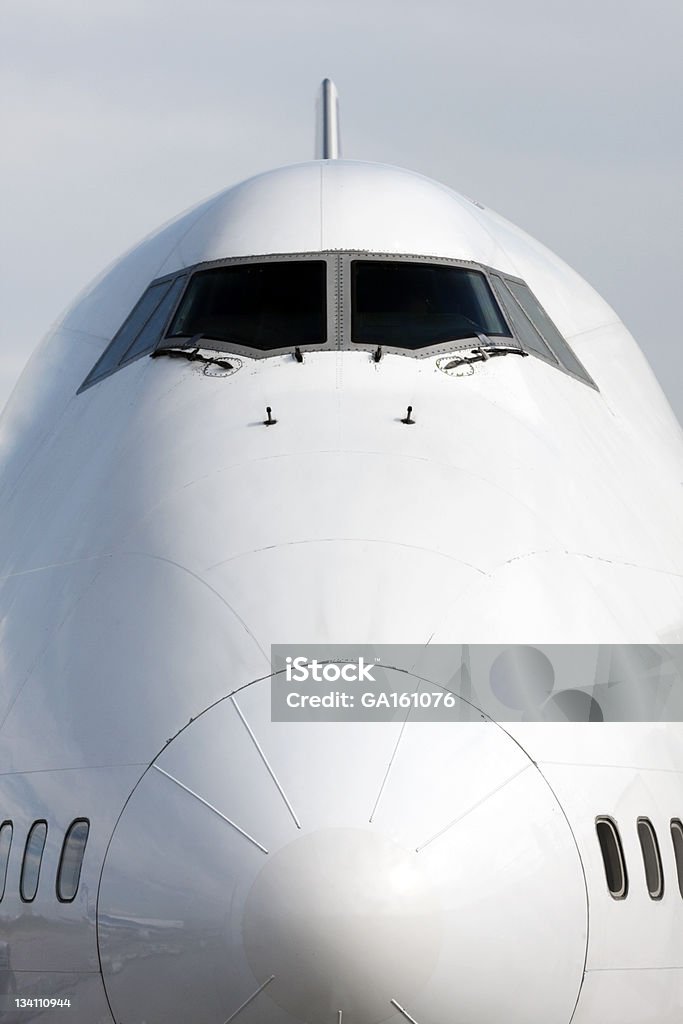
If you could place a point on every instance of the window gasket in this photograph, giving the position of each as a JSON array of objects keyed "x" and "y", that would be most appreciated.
[
  {"x": 676, "y": 826},
  {"x": 4, "y": 868}
]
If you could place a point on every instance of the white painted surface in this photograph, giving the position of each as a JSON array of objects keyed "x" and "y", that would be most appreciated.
[{"x": 156, "y": 539}]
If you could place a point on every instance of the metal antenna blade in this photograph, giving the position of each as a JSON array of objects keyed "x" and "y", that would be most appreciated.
[{"x": 329, "y": 142}]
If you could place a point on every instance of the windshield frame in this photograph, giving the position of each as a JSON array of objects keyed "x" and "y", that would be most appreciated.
[
  {"x": 339, "y": 307},
  {"x": 476, "y": 340},
  {"x": 223, "y": 345},
  {"x": 338, "y": 319}
]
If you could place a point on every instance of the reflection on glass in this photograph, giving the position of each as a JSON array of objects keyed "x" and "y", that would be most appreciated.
[
  {"x": 126, "y": 335},
  {"x": 5, "y": 844},
  {"x": 677, "y": 840},
  {"x": 151, "y": 331},
  {"x": 612, "y": 857},
  {"x": 72, "y": 860},
  {"x": 525, "y": 328},
  {"x": 547, "y": 329},
  {"x": 414, "y": 305},
  {"x": 258, "y": 305},
  {"x": 33, "y": 856},
  {"x": 651, "y": 859}
]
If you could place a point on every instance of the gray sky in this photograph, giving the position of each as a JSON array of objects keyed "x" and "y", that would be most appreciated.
[{"x": 564, "y": 117}]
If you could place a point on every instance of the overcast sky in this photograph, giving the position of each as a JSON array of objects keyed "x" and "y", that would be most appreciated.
[{"x": 564, "y": 117}]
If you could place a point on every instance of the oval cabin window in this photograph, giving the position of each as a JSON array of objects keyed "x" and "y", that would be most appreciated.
[
  {"x": 5, "y": 845},
  {"x": 677, "y": 840},
  {"x": 71, "y": 861},
  {"x": 651, "y": 858},
  {"x": 33, "y": 858},
  {"x": 612, "y": 857}
]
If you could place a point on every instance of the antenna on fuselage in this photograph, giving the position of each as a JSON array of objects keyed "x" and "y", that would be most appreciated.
[{"x": 328, "y": 143}]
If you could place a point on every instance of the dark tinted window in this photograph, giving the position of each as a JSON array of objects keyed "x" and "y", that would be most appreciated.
[
  {"x": 414, "y": 305},
  {"x": 71, "y": 860},
  {"x": 33, "y": 856},
  {"x": 651, "y": 859},
  {"x": 141, "y": 330},
  {"x": 5, "y": 845},
  {"x": 677, "y": 840},
  {"x": 257, "y": 305},
  {"x": 612, "y": 857}
]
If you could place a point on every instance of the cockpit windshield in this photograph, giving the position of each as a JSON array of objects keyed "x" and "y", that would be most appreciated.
[
  {"x": 415, "y": 305},
  {"x": 291, "y": 304},
  {"x": 263, "y": 306}
]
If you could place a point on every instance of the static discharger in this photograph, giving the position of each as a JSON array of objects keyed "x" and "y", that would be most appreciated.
[
  {"x": 269, "y": 422},
  {"x": 409, "y": 418}
]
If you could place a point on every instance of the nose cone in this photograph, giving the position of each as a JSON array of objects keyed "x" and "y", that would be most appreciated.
[
  {"x": 280, "y": 872},
  {"x": 342, "y": 920}
]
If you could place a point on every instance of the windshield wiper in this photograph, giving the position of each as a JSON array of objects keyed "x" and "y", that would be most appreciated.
[
  {"x": 478, "y": 353},
  {"x": 484, "y": 350},
  {"x": 191, "y": 351}
]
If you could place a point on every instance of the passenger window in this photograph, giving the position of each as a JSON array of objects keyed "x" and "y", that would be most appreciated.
[
  {"x": 676, "y": 838},
  {"x": 33, "y": 856},
  {"x": 5, "y": 846},
  {"x": 140, "y": 332},
  {"x": 612, "y": 857},
  {"x": 71, "y": 861},
  {"x": 651, "y": 858}
]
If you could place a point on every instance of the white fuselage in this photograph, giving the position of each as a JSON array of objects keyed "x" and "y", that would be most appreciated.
[{"x": 157, "y": 538}]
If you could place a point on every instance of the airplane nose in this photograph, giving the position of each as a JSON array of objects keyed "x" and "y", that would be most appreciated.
[
  {"x": 341, "y": 873},
  {"x": 342, "y": 920}
]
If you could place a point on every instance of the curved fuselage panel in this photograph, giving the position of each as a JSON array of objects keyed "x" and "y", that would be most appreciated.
[{"x": 158, "y": 537}]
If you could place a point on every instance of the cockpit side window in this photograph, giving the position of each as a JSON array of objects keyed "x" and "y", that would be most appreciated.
[
  {"x": 153, "y": 328},
  {"x": 417, "y": 305},
  {"x": 523, "y": 327},
  {"x": 535, "y": 327},
  {"x": 140, "y": 331},
  {"x": 71, "y": 860},
  {"x": 612, "y": 857}
]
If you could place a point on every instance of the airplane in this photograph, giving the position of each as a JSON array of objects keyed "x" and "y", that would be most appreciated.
[{"x": 336, "y": 404}]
